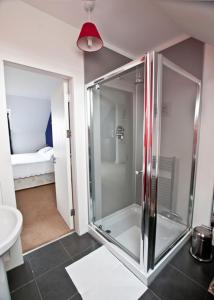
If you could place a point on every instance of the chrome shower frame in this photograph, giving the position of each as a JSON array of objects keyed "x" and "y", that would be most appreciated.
[
  {"x": 148, "y": 267},
  {"x": 157, "y": 61}
]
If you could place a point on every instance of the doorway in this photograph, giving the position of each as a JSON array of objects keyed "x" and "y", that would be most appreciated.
[{"x": 40, "y": 146}]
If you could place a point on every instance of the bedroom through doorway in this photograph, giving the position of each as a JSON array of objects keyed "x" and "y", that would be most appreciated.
[{"x": 38, "y": 120}]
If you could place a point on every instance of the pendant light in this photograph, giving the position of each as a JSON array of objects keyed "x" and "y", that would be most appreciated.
[{"x": 89, "y": 38}]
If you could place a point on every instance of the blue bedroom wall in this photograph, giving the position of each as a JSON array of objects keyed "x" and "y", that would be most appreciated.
[{"x": 48, "y": 133}]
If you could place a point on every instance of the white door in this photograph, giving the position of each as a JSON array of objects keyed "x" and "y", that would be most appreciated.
[{"x": 62, "y": 152}]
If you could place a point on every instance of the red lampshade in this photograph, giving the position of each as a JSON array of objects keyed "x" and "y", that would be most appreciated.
[{"x": 89, "y": 38}]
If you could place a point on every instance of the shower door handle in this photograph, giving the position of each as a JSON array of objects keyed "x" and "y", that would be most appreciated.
[{"x": 139, "y": 172}]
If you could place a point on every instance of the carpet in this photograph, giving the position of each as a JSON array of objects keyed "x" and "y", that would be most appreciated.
[{"x": 42, "y": 222}]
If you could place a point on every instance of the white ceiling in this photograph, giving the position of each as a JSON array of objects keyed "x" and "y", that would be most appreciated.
[
  {"x": 135, "y": 26},
  {"x": 26, "y": 83}
]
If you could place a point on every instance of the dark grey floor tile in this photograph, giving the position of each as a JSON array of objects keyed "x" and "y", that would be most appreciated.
[
  {"x": 27, "y": 292},
  {"x": 209, "y": 296},
  {"x": 85, "y": 252},
  {"x": 200, "y": 272},
  {"x": 149, "y": 295},
  {"x": 75, "y": 244},
  {"x": 172, "y": 284},
  {"x": 47, "y": 257},
  {"x": 20, "y": 275},
  {"x": 56, "y": 284}
]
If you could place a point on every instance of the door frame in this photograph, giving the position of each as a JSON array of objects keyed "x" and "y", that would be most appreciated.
[
  {"x": 10, "y": 187},
  {"x": 69, "y": 218}
]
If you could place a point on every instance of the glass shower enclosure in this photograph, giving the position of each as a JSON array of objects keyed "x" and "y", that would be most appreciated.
[{"x": 143, "y": 121}]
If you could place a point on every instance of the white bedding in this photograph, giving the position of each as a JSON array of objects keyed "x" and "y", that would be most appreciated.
[{"x": 31, "y": 164}]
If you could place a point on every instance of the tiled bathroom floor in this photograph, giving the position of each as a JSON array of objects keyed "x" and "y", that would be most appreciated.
[{"x": 43, "y": 275}]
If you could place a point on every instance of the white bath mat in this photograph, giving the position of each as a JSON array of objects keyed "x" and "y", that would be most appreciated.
[{"x": 101, "y": 276}]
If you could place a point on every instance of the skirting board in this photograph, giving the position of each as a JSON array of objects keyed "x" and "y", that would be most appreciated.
[{"x": 33, "y": 181}]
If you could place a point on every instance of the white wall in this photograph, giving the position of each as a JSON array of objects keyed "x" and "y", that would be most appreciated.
[
  {"x": 28, "y": 123},
  {"x": 33, "y": 38},
  {"x": 28, "y": 82},
  {"x": 205, "y": 174}
]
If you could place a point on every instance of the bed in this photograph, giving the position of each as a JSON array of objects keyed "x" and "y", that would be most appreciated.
[{"x": 33, "y": 169}]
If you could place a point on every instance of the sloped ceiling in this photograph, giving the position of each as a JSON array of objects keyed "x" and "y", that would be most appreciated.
[
  {"x": 195, "y": 18},
  {"x": 134, "y": 26}
]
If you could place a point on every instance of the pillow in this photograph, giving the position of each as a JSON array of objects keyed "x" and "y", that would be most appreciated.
[
  {"x": 45, "y": 150},
  {"x": 48, "y": 154}
]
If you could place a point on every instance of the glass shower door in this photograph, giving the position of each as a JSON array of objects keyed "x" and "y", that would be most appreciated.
[
  {"x": 174, "y": 129},
  {"x": 116, "y": 151},
  {"x": 143, "y": 132}
]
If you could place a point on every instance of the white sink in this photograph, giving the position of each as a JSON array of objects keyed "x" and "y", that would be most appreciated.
[{"x": 10, "y": 228}]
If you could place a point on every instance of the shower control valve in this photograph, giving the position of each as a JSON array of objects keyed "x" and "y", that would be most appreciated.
[{"x": 120, "y": 132}]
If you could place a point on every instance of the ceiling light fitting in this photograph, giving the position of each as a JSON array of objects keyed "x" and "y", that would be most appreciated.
[{"x": 89, "y": 38}]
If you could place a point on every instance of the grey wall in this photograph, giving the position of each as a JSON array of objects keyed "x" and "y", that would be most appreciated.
[
  {"x": 187, "y": 54},
  {"x": 101, "y": 62}
]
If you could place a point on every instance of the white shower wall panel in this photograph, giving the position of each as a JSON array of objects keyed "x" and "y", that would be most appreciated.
[{"x": 112, "y": 156}]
